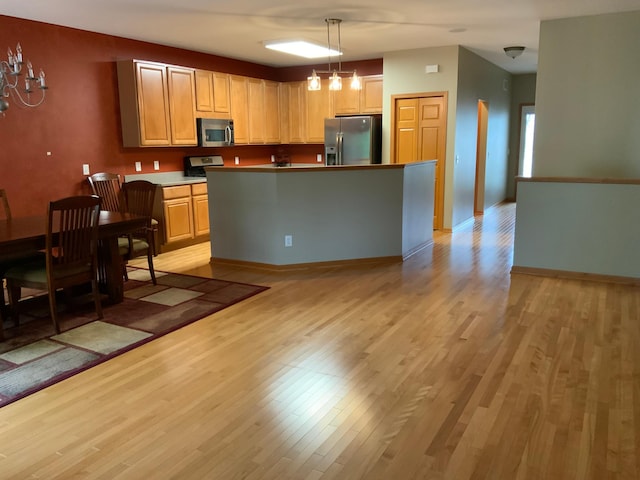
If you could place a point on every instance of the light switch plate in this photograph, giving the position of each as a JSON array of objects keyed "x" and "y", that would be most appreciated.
[
  {"x": 85, "y": 169},
  {"x": 273, "y": 158},
  {"x": 138, "y": 166},
  {"x": 319, "y": 158},
  {"x": 237, "y": 159},
  {"x": 156, "y": 165}
]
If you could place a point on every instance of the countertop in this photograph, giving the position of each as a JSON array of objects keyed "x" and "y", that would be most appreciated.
[
  {"x": 302, "y": 167},
  {"x": 165, "y": 179}
]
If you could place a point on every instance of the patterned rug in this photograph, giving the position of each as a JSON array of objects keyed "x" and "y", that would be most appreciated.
[{"x": 32, "y": 356}]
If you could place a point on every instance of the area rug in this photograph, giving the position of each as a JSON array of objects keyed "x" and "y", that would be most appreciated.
[{"x": 32, "y": 356}]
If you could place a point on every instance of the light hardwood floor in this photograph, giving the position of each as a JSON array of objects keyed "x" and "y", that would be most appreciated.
[{"x": 442, "y": 367}]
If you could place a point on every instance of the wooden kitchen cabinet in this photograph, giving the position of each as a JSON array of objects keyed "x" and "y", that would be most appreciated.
[
  {"x": 239, "y": 108},
  {"x": 256, "y": 113},
  {"x": 178, "y": 213},
  {"x": 319, "y": 106},
  {"x": 200, "y": 201},
  {"x": 346, "y": 101},
  {"x": 182, "y": 105},
  {"x": 297, "y": 111},
  {"x": 157, "y": 104},
  {"x": 212, "y": 94},
  {"x": 364, "y": 101},
  {"x": 272, "y": 112},
  {"x": 371, "y": 94}
]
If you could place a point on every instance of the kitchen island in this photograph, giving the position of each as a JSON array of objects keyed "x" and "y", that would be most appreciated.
[{"x": 299, "y": 216}]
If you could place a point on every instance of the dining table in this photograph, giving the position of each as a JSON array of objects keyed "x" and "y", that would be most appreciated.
[{"x": 21, "y": 236}]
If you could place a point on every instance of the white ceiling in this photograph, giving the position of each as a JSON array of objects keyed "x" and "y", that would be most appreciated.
[{"x": 237, "y": 28}]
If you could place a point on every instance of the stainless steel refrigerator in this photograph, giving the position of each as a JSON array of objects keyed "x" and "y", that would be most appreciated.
[{"x": 353, "y": 140}]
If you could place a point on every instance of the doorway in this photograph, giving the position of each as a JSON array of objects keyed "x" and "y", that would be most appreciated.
[
  {"x": 481, "y": 157},
  {"x": 419, "y": 132},
  {"x": 527, "y": 126}
]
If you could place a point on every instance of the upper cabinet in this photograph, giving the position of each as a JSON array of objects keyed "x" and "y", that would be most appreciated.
[
  {"x": 157, "y": 104},
  {"x": 239, "y": 108},
  {"x": 319, "y": 107},
  {"x": 272, "y": 112},
  {"x": 212, "y": 94},
  {"x": 296, "y": 113},
  {"x": 371, "y": 94}
]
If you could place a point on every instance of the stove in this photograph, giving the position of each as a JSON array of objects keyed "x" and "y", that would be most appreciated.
[{"x": 194, "y": 166}]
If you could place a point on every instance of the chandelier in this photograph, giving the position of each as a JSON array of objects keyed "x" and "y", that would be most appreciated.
[
  {"x": 10, "y": 70},
  {"x": 335, "y": 80}
]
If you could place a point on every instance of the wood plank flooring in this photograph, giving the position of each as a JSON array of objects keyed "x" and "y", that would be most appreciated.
[{"x": 441, "y": 367}]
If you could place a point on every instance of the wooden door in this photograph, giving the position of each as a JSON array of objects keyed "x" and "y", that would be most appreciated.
[
  {"x": 406, "y": 150},
  {"x": 420, "y": 133},
  {"x": 204, "y": 91},
  {"x": 182, "y": 105},
  {"x": 431, "y": 146},
  {"x": 481, "y": 157}
]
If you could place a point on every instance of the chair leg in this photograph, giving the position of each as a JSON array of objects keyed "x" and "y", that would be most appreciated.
[
  {"x": 96, "y": 297},
  {"x": 14, "y": 298},
  {"x": 151, "y": 271},
  {"x": 53, "y": 309},
  {"x": 124, "y": 271}
]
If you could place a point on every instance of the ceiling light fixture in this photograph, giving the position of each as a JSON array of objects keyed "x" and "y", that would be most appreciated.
[
  {"x": 335, "y": 81},
  {"x": 10, "y": 70},
  {"x": 513, "y": 52}
]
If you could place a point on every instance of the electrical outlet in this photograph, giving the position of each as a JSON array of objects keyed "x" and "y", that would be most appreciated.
[
  {"x": 273, "y": 158},
  {"x": 156, "y": 165},
  {"x": 319, "y": 158},
  {"x": 85, "y": 169},
  {"x": 138, "y": 166},
  {"x": 237, "y": 159},
  {"x": 288, "y": 240}
]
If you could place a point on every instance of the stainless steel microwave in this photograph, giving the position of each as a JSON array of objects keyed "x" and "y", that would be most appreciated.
[{"x": 215, "y": 132}]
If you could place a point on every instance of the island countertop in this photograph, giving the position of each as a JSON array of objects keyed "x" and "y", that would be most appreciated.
[
  {"x": 165, "y": 179},
  {"x": 272, "y": 168}
]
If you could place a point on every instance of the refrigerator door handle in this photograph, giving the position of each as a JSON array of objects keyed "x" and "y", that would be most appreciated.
[{"x": 340, "y": 148}]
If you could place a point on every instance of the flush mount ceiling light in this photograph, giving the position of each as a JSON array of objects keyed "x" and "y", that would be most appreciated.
[
  {"x": 335, "y": 80},
  {"x": 513, "y": 52},
  {"x": 301, "y": 48}
]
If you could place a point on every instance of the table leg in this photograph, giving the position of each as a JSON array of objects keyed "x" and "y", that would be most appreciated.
[{"x": 110, "y": 266}]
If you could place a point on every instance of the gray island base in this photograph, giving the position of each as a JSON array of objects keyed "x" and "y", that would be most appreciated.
[{"x": 296, "y": 217}]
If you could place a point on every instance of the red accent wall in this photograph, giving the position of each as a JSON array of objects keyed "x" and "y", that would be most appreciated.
[{"x": 79, "y": 121}]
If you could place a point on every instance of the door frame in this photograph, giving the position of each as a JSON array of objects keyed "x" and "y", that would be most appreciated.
[
  {"x": 441, "y": 166},
  {"x": 481, "y": 157}
]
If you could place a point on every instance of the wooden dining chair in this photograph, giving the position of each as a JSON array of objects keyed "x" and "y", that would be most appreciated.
[
  {"x": 70, "y": 255},
  {"x": 138, "y": 197},
  {"x": 109, "y": 188}
]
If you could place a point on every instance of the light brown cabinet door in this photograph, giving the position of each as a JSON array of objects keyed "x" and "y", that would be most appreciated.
[
  {"x": 181, "y": 82},
  {"x": 272, "y": 112},
  {"x": 178, "y": 219},
  {"x": 239, "y": 108},
  {"x": 212, "y": 94},
  {"x": 153, "y": 105},
  {"x": 319, "y": 107},
  {"x": 371, "y": 94},
  {"x": 255, "y": 91},
  {"x": 201, "y": 214},
  {"x": 346, "y": 101},
  {"x": 297, "y": 108},
  {"x": 407, "y": 125},
  {"x": 204, "y": 91}
]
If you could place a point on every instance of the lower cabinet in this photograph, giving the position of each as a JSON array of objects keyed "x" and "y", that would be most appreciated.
[{"x": 185, "y": 213}]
